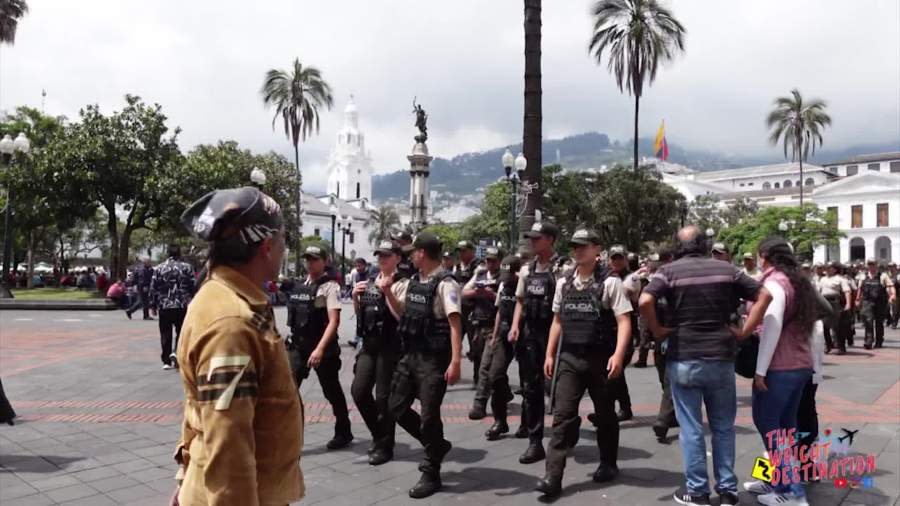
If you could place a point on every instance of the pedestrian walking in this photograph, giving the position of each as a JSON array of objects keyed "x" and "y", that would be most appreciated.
[
  {"x": 701, "y": 294},
  {"x": 836, "y": 290},
  {"x": 875, "y": 295},
  {"x": 143, "y": 274},
  {"x": 171, "y": 289},
  {"x": 463, "y": 272},
  {"x": 243, "y": 428},
  {"x": 482, "y": 291}
]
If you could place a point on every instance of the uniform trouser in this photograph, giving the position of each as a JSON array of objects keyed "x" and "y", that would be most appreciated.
[
  {"x": 169, "y": 319},
  {"x": 666, "y": 416},
  {"x": 834, "y": 326},
  {"x": 574, "y": 375},
  {"x": 328, "y": 374},
  {"x": 421, "y": 376},
  {"x": 645, "y": 342},
  {"x": 895, "y": 310},
  {"x": 530, "y": 353},
  {"x": 619, "y": 388},
  {"x": 494, "y": 381},
  {"x": 872, "y": 313},
  {"x": 845, "y": 329},
  {"x": 7, "y": 413},
  {"x": 375, "y": 370}
]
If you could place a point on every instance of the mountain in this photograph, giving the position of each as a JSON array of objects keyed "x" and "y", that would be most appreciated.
[{"x": 464, "y": 174}]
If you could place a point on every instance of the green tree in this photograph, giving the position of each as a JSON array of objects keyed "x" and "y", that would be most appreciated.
[
  {"x": 11, "y": 11},
  {"x": 450, "y": 234},
  {"x": 297, "y": 95},
  {"x": 636, "y": 36},
  {"x": 798, "y": 125},
  {"x": 804, "y": 227},
  {"x": 383, "y": 222},
  {"x": 705, "y": 211},
  {"x": 493, "y": 221}
]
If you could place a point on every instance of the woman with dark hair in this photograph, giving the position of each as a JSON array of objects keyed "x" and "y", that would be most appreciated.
[{"x": 784, "y": 365}]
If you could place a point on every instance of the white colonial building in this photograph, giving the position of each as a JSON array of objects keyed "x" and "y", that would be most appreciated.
[
  {"x": 349, "y": 164},
  {"x": 867, "y": 206},
  {"x": 879, "y": 162},
  {"x": 317, "y": 213}
]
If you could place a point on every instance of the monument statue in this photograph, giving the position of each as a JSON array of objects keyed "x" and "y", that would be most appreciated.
[{"x": 421, "y": 121}]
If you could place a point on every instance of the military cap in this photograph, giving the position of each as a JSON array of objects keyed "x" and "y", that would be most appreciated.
[
  {"x": 511, "y": 263},
  {"x": 805, "y": 265},
  {"x": 542, "y": 228},
  {"x": 719, "y": 247},
  {"x": 426, "y": 240},
  {"x": 387, "y": 248},
  {"x": 243, "y": 214},
  {"x": 401, "y": 236},
  {"x": 449, "y": 254},
  {"x": 749, "y": 256},
  {"x": 464, "y": 245},
  {"x": 492, "y": 253},
  {"x": 617, "y": 250},
  {"x": 584, "y": 236},
  {"x": 314, "y": 252}
]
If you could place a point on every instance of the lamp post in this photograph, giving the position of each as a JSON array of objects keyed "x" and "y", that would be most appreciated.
[
  {"x": 345, "y": 225},
  {"x": 7, "y": 148},
  {"x": 258, "y": 177},
  {"x": 334, "y": 210},
  {"x": 508, "y": 162}
]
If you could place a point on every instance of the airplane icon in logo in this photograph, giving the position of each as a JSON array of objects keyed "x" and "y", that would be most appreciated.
[{"x": 848, "y": 434}]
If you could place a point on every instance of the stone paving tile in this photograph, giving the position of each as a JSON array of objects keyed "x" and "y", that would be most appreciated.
[
  {"x": 114, "y": 483},
  {"x": 131, "y": 494},
  {"x": 70, "y": 493},
  {"x": 8, "y": 492},
  {"x": 34, "y": 500},
  {"x": 54, "y": 483},
  {"x": 94, "y": 500},
  {"x": 97, "y": 473}
]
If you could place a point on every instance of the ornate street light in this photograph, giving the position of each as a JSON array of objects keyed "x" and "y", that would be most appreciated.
[
  {"x": 7, "y": 148},
  {"x": 258, "y": 177},
  {"x": 333, "y": 209},
  {"x": 345, "y": 225}
]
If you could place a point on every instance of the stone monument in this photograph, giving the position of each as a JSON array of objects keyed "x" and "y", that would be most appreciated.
[{"x": 419, "y": 162}]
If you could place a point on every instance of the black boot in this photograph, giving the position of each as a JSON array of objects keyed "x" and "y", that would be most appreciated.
[
  {"x": 428, "y": 484},
  {"x": 661, "y": 432},
  {"x": 605, "y": 472},
  {"x": 625, "y": 414},
  {"x": 534, "y": 453},
  {"x": 478, "y": 411},
  {"x": 380, "y": 456},
  {"x": 550, "y": 486},
  {"x": 499, "y": 428},
  {"x": 522, "y": 433},
  {"x": 339, "y": 441}
]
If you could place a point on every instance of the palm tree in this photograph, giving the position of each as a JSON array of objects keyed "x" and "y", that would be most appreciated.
[
  {"x": 297, "y": 96},
  {"x": 11, "y": 11},
  {"x": 637, "y": 36},
  {"x": 383, "y": 221},
  {"x": 798, "y": 125},
  {"x": 531, "y": 124}
]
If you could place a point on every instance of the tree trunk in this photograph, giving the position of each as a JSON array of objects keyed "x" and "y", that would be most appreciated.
[
  {"x": 30, "y": 272},
  {"x": 112, "y": 226},
  {"x": 637, "y": 102},
  {"x": 801, "y": 178},
  {"x": 299, "y": 230},
  {"x": 124, "y": 246},
  {"x": 531, "y": 126}
]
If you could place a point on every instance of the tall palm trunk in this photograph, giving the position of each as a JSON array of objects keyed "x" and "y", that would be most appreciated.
[
  {"x": 800, "y": 157},
  {"x": 299, "y": 232},
  {"x": 531, "y": 126},
  {"x": 637, "y": 101}
]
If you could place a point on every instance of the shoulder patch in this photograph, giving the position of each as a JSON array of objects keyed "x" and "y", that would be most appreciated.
[{"x": 228, "y": 377}]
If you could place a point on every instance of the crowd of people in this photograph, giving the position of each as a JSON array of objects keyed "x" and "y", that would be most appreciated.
[{"x": 572, "y": 322}]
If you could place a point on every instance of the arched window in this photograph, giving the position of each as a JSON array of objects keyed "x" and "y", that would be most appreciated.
[
  {"x": 809, "y": 182},
  {"x": 797, "y": 183},
  {"x": 357, "y": 190},
  {"x": 777, "y": 185},
  {"x": 788, "y": 183},
  {"x": 767, "y": 186}
]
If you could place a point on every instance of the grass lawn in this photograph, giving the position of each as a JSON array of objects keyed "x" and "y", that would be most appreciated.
[{"x": 54, "y": 294}]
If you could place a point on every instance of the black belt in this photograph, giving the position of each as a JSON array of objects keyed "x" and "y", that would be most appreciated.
[{"x": 587, "y": 349}]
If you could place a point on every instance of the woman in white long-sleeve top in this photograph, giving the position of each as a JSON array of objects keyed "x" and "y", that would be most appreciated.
[{"x": 785, "y": 363}]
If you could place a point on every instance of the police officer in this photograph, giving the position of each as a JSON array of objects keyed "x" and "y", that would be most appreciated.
[
  {"x": 482, "y": 291},
  {"x": 449, "y": 261},
  {"x": 588, "y": 341},
  {"x": 620, "y": 267},
  {"x": 379, "y": 354},
  {"x": 895, "y": 307},
  {"x": 431, "y": 335},
  {"x": 463, "y": 272},
  {"x": 665, "y": 419},
  {"x": 243, "y": 430},
  {"x": 501, "y": 350},
  {"x": 534, "y": 314},
  {"x": 876, "y": 291},
  {"x": 403, "y": 240},
  {"x": 836, "y": 291},
  {"x": 720, "y": 252},
  {"x": 314, "y": 313}
]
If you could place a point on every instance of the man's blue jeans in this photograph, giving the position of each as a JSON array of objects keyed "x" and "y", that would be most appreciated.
[
  {"x": 776, "y": 409},
  {"x": 710, "y": 382}
]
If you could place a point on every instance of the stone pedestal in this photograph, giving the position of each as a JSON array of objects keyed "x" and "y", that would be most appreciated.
[{"x": 419, "y": 168}]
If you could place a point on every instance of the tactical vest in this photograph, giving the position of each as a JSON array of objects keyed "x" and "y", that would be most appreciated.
[
  {"x": 405, "y": 266},
  {"x": 374, "y": 322},
  {"x": 872, "y": 290},
  {"x": 539, "y": 291},
  {"x": 462, "y": 276},
  {"x": 419, "y": 329},
  {"x": 307, "y": 322},
  {"x": 507, "y": 306},
  {"x": 585, "y": 322},
  {"x": 485, "y": 311}
]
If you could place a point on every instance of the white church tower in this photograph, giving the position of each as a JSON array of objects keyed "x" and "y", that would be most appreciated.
[{"x": 349, "y": 165}]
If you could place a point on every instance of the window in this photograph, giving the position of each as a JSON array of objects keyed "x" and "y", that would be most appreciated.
[
  {"x": 749, "y": 184},
  {"x": 856, "y": 217},
  {"x": 852, "y": 170},
  {"x": 357, "y": 190},
  {"x": 777, "y": 185},
  {"x": 809, "y": 182},
  {"x": 351, "y": 236},
  {"x": 788, "y": 183},
  {"x": 895, "y": 166},
  {"x": 882, "y": 213},
  {"x": 797, "y": 183},
  {"x": 874, "y": 166},
  {"x": 767, "y": 186},
  {"x": 316, "y": 232},
  {"x": 742, "y": 185}
]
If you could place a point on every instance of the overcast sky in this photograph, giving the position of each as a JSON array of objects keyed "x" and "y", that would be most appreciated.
[{"x": 204, "y": 61}]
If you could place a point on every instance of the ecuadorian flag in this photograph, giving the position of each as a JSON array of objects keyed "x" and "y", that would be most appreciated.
[{"x": 660, "y": 147}]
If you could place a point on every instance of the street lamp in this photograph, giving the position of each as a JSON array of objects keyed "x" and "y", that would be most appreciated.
[
  {"x": 258, "y": 177},
  {"x": 333, "y": 209},
  {"x": 508, "y": 162},
  {"x": 345, "y": 225},
  {"x": 7, "y": 148}
]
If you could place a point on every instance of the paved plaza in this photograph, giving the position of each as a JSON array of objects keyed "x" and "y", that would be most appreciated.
[{"x": 98, "y": 420}]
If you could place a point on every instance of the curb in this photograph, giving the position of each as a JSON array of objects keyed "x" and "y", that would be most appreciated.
[{"x": 74, "y": 305}]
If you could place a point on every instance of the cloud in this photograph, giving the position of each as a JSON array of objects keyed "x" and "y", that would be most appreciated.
[{"x": 204, "y": 62}]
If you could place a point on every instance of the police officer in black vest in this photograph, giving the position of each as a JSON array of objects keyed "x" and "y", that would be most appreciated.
[
  {"x": 431, "y": 337},
  {"x": 588, "y": 340},
  {"x": 463, "y": 272},
  {"x": 876, "y": 291},
  {"x": 534, "y": 314},
  {"x": 482, "y": 290},
  {"x": 403, "y": 240},
  {"x": 314, "y": 313},
  {"x": 379, "y": 354},
  {"x": 501, "y": 349}
]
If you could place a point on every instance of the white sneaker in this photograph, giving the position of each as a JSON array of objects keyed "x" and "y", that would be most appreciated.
[
  {"x": 757, "y": 487},
  {"x": 166, "y": 367},
  {"x": 775, "y": 499}
]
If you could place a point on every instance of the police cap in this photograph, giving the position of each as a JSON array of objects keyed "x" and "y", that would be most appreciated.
[
  {"x": 387, "y": 248},
  {"x": 314, "y": 252},
  {"x": 719, "y": 247},
  {"x": 584, "y": 236},
  {"x": 461, "y": 245},
  {"x": 492, "y": 253},
  {"x": 427, "y": 240},
  {"x": 617, "y": 250},
  {"x": 542, "y": 228}
]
